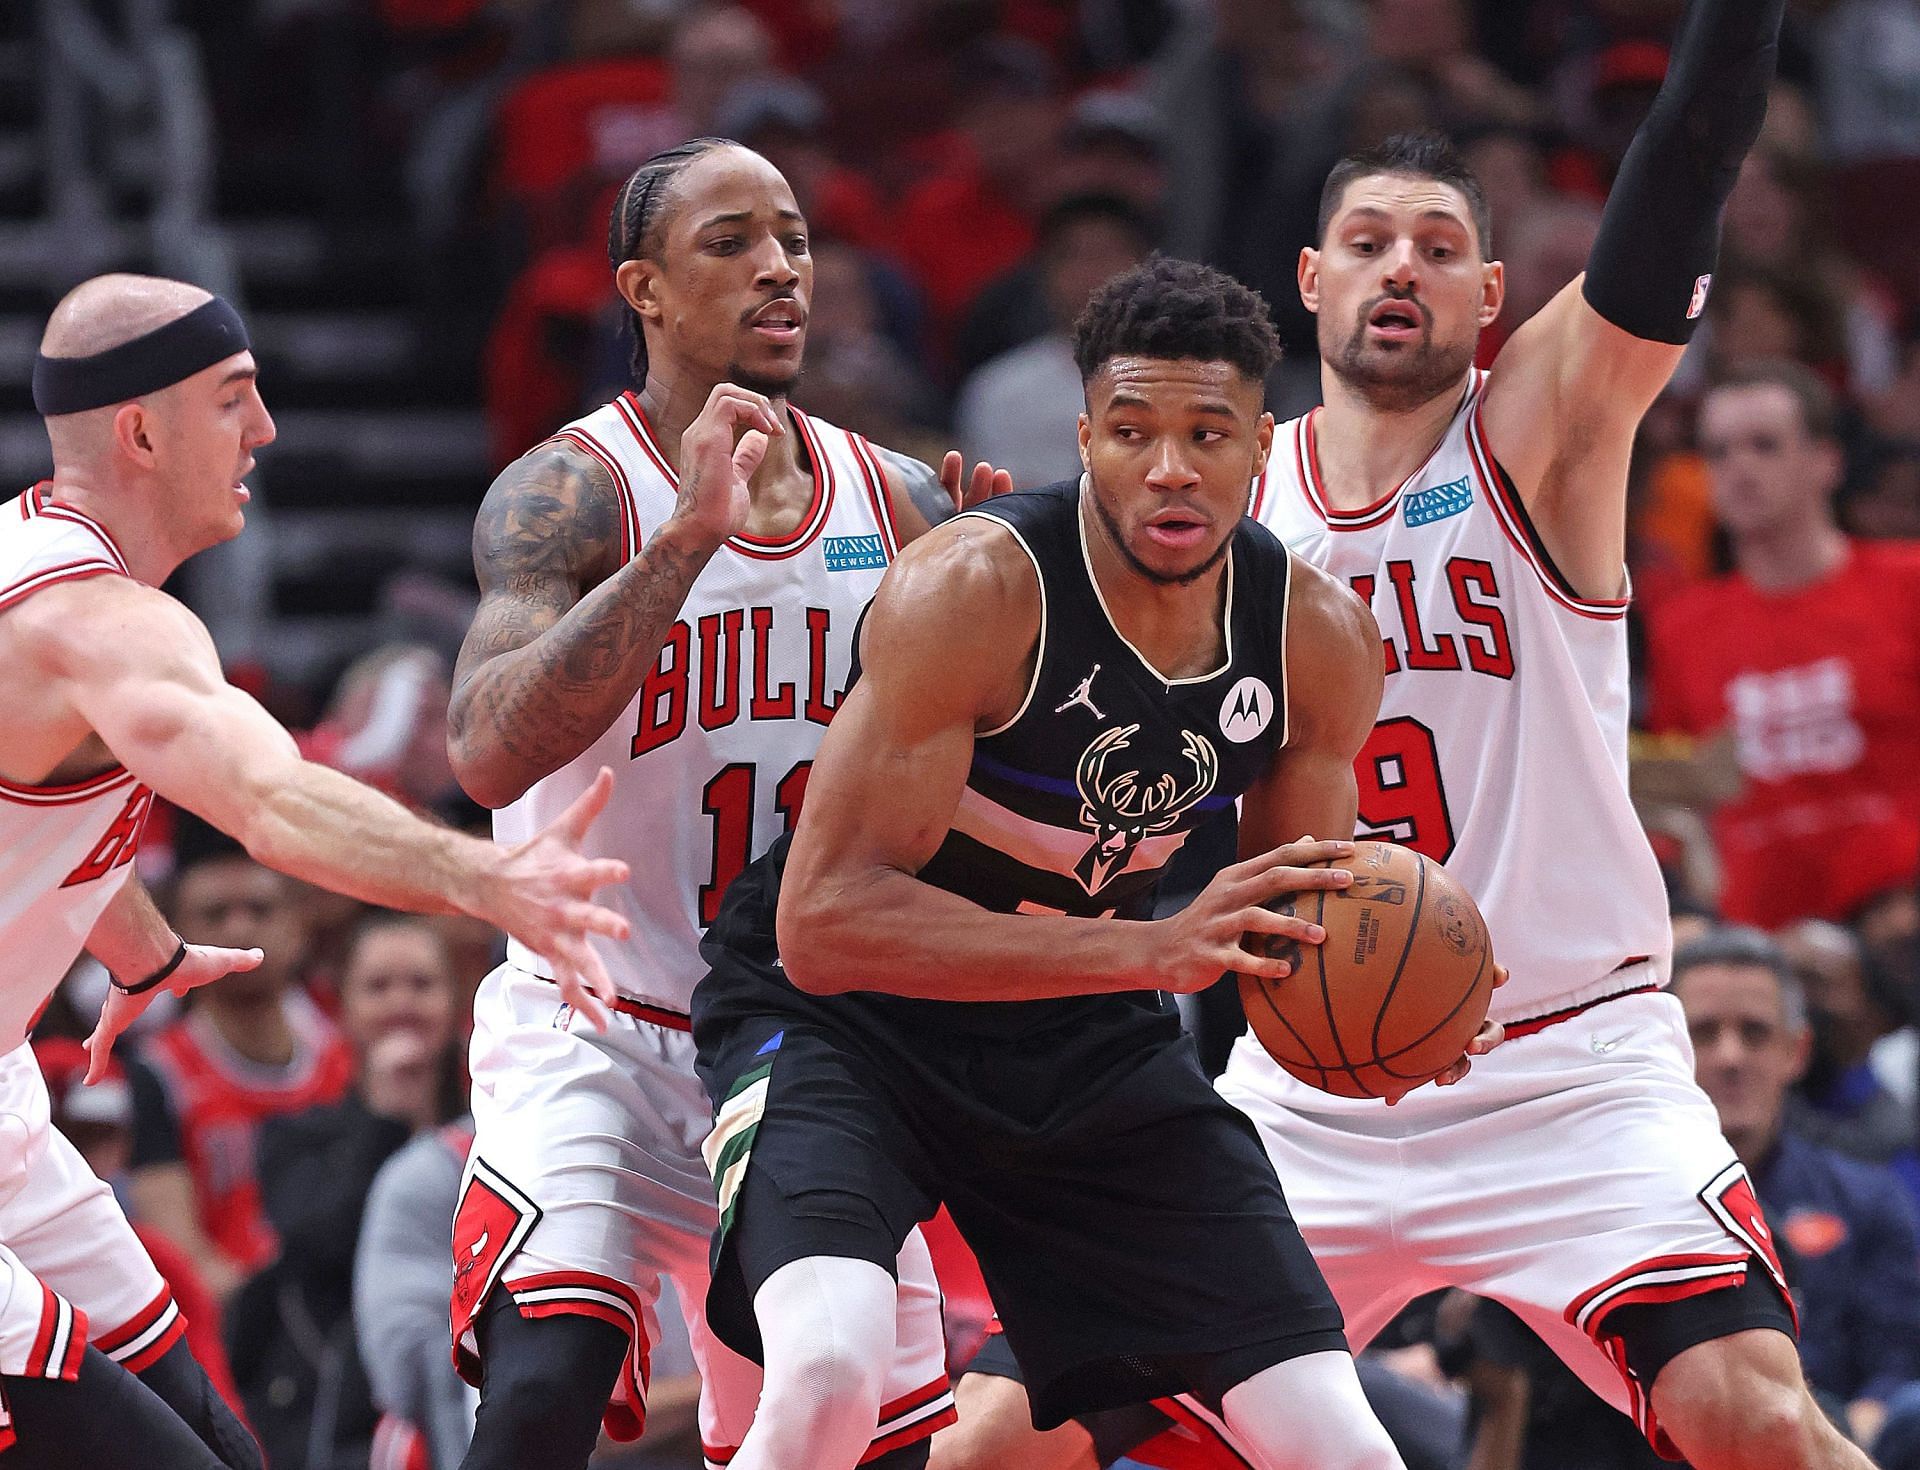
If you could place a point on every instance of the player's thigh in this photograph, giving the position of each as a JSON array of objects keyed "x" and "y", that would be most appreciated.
[
  {"x": 68, "y": 1228},
  {"x": 1618, "y": 1223},
  {"x": 995, "y": 1429},
  {"x": 810, "y": 1157}
]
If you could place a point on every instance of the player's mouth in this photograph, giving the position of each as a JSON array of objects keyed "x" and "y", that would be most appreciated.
[
  {"x": 1397, "y": 321},
  {"x": 1177, "y": 530},
  {"x": 779, "y": 321},
  {"x": 239, "y": 485}
]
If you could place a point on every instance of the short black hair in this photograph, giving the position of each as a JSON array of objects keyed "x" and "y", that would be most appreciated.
[
  {"x": 1810, "y": 393},
  {"x": 1412, "y": 155},
  {"x": 1172, "y": 308},
  {"x": 633, "y": 231}
]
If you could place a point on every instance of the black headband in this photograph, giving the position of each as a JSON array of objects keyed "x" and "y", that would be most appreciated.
[{"x": 208, "y": 334}]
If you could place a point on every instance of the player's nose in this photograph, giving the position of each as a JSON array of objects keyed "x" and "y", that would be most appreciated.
[
  {"x": 1401, "y": 265},
  {"x": 1172, "y": 467}
]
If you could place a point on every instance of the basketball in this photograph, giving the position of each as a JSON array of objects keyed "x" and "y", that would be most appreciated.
[{"x": 1396, "y": 992}]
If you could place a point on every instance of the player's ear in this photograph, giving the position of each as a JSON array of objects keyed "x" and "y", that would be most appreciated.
[
  {"x": 638, "y": 282},
  {"x": 1308, "y": 272},
  {"x": 133, "y": 432},
  {"x": 1263, "y": 437},
  {"x": 1493, "y": 291},
  {"x": 1085, "y": 434}
]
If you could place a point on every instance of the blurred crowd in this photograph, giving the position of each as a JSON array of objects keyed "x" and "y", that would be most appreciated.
[{"x": 971, "y": 169}]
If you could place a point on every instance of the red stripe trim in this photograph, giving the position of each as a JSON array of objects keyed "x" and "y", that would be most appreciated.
[
  {"x": 630, "y": 512},
  {"x": 1518, "y": 528},
  {"x": 142, "y": 1323},
  {"x": 628, "y": 406},
  {"x": 1259, "y": 495},
  {"x": 912, "y": 1434},
  {"x": 918, "y": 1399},
  {"x": 813, "y": 522},
  {"x": 629, "y": 1318},
  {"x": 72, "y": 571},
  {"x": 1537, "y": 1024},
  {"x": 1706, "y": 1263},
  {"x": 875, "y": 476},
  {"x": 1371, "y": 514},
  {"x": 43, "y": 505},
  {"x": 641, "y": 1011},
  {"x": 76, "y": 1347}
]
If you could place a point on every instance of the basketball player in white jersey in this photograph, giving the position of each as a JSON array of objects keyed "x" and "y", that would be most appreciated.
[
  {"x": 113, "y": 692},
  {"x": 669, "y": 586},
  {"x": 1578, "y": 1175}
]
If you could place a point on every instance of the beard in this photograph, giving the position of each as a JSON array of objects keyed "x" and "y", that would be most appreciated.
[
  {"x": 1394, "y": 379},
  {"x": 777, "y": 384},
  {"x": 1153, "y": 574}
]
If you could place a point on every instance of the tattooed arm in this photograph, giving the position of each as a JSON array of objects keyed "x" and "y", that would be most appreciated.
[
  {"x": 922, "y": 499},
  {"x": 564, "y": 637}
]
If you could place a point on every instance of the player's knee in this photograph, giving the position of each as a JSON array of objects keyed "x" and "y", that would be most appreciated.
[
  {"x": 1740, "y": 1401},
  {"x": 835, "y": 1370}
]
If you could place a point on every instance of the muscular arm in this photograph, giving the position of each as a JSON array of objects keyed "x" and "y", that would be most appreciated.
[
  {"x": 143, "y": 672},
  {"x": 564, "y": 636},
  {"x": 1570, "y": 387},
  {"x": 887, "y": 781},
  {"x": 1335, "y": 670}
]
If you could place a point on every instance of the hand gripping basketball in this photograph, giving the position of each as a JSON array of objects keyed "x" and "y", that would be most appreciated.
[
  {"x": 541, "y": 897},
  {"x": 1204, "y": 940}
]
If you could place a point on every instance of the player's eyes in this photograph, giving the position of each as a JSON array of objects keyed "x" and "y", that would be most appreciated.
[
  {"x": 797, "y": 245},
  {"x": 725, "y": 245}
]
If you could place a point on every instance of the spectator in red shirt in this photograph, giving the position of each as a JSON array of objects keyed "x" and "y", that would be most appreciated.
[
  {"x": 1810, "y": 651},
  {"x": 249, "y": 1047}
]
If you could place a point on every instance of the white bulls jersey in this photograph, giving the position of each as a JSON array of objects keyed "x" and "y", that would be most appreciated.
[
  {"x": 1501, "y": 748},
  {"x": 64, "y": 850},
  {"x": 711, "y": 758}
]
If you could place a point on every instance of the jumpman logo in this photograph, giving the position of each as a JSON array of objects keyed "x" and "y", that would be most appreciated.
[{"x": 1082, "y": 695}]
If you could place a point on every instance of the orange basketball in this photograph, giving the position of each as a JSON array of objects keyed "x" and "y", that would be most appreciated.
[{"x": 1396, "y": 992}]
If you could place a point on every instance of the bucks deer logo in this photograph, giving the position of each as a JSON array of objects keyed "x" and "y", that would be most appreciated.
[{"x": 1120, "y": 806}]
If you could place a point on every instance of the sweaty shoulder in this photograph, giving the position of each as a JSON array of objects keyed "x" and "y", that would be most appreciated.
[
  {"x": 961, "y": 608},
  {"x": 93, "y": 622}
]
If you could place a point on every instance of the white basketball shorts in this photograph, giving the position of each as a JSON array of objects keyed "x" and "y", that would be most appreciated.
[
  {"x": 586, "y": 1186},
  {"x": 1575, "y": 1170}
]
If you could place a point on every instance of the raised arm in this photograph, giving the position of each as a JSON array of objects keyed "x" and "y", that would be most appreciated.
[
  {"x": 948, "y": 650},
  {"x": 1570, "y": 387},
  {"x": 565, "y": 633},
  {"x": 142, "y": 672}
]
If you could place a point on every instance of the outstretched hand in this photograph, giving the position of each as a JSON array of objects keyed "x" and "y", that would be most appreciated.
[
  {"x": 544, "y": 888},
  {"x": 1490, "y": 1035},
  {"x": 202, "y": 965}
]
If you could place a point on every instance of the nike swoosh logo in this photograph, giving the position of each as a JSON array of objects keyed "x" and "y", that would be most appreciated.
[{"x": 1601, "y": 1048}]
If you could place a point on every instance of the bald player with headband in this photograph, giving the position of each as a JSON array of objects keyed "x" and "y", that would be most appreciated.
[{"x": 114, "y": 694}]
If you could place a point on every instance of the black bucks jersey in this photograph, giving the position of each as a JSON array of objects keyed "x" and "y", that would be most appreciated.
[{"x": 1077, "y": 804}]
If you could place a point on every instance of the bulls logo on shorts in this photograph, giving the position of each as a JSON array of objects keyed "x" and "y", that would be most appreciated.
[{"x": 493, "y": 1219}]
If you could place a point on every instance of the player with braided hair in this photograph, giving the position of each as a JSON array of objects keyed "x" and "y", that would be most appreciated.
[{"x": 669, "y": 587}]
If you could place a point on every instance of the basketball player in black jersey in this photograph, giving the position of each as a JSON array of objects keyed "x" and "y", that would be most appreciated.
[{"x": 946, "y": 990}]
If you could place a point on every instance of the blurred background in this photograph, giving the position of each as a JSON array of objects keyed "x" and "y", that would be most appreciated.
[{"x": 407, "y": 200}]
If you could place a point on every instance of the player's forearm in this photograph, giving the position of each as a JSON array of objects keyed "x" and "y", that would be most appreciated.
[
  {"x": 1660, "y": 232},
  {"x": 892, "y": 933},
  {"x": 132, "y": 938},
  {"x": 526, "y": 713},
  {"x": 322, "y": 827}
]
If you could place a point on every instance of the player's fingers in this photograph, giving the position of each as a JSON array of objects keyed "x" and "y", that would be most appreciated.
[
  {"x": 238, "y": 961},
  {"x": 1287, "y": 926},
  {"x": 1500, "y": 976},
  {"x": 572, "y": 824},
  {"x": 742, "y": 406},
  {"x": 1305, "y": 850},
  {"x": 1276, "y": 881},
  {"x": 1486, "y": 1039},
  {"x": 99, "y": 1048},
  {"x": 748, "y": 453},
  {"x": 575, "y": 975},
  {"x": 1002, "y": 483},
  {"x": 590, "y": 918},
  {"x": 953, "y": 478},
  {"x": 1262, "y": 966},
  {"x": 1454, "y": 1073}
]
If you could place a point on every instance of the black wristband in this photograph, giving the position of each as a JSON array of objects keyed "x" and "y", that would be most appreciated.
[{"x": 158, "y": 977}]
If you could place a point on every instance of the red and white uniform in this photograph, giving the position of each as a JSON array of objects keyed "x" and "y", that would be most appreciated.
[
  {"x": 1579, "y": 1167},
  {"x": 69, "y": 1262},
  {"x": 586, "y": 1182},
  {"x": 219, "y": 1099}
]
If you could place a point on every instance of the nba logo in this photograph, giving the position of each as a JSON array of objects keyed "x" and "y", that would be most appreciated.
[{"x": 1699, "y": 302}]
